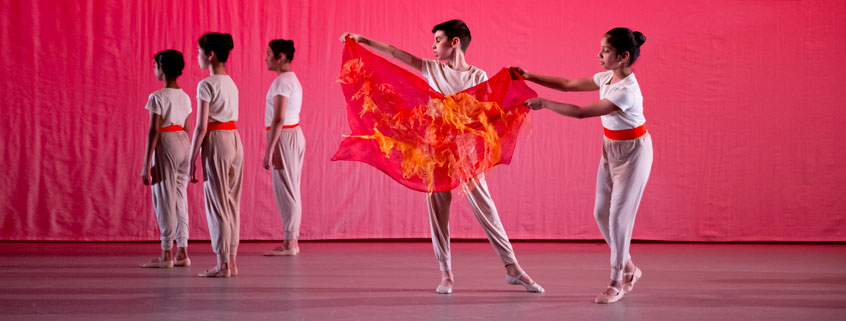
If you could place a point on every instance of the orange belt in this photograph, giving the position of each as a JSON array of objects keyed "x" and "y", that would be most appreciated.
[
  {"x": 171, "y": 128},
  {"x": 221, "y": 126},
  {"x": 625, "y": 134},
  {"x": 284, "y": 127}
]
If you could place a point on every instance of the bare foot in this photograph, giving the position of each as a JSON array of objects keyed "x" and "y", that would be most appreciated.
[
  {"x": 215, "y": 272},
  {"x": 158, "y": 263}
]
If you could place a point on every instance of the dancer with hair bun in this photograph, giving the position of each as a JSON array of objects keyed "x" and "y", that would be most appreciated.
[
  {"x": 285, "y": 142},
  {"x": 223, "y": 153},
  {"x": 626, "y": 148}
]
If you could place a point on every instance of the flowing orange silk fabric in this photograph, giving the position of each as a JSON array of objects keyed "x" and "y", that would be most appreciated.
[{"x": 422, "y": 139}]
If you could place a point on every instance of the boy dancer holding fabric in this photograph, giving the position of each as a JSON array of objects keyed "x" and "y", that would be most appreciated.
[{"x": 451, "y": 40}]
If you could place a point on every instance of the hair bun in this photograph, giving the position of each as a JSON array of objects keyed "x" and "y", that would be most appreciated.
[
  {"x": 282, "y": 46},
  {"x": 640, "y": 38},
  {"x": 228, "y": 42}
]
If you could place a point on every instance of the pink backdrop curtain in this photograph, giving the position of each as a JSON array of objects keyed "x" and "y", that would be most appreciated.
[{"x": 742, "y": 99}]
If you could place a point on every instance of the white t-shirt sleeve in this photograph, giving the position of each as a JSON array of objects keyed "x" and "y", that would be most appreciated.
[
  {"x": 427, "y": 66},
  {"x": 187, "y": 101},
  {"x": 597, "y": 78},
  {"x": 284, "y": 88},
  {"x": 483, "y": 77},
  {"x": 621, "y": 97},
  {"x": 153, "y": 105},
  {"x": 204, "y": 91}
]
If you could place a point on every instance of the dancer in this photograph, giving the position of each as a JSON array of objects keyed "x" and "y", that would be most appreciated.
[
  {"x": 285, "y": 142},
  {"x": 451, "y": 40},
  {"x": 626, "y": 148},
  {"x": 166, "y": 159},
  {"x": 223, "y": 153}
]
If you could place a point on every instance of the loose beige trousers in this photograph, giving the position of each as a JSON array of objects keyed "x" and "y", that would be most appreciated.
[
  {"x": 223, "y": 169},
  {"x": 287, "y": 163},
  {"x": 477, "y": 194},
  {"x": 170, "y": 181},
  {"x": 620, "y": 181}
]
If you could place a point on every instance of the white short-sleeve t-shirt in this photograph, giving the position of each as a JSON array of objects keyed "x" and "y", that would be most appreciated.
[
  {"x": 286, "y": 84},
  {"x": 448, "y": 81},
  {"x": 222, "y": 94},
  {"x": 172, "y": 104},
  {"x": 626, "y": 95}
]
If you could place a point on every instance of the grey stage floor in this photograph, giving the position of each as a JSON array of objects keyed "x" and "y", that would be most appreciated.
[{"x": 396, "y": 281}]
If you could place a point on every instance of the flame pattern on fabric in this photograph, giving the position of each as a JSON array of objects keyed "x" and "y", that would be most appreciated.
[{"x": 424, "y": 140}]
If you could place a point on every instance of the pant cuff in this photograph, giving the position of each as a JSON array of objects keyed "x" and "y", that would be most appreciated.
[
  {"x": 167, "y": 245},
  {"x": 509, "y": 259},
  {"x": 445, "y": 265}
]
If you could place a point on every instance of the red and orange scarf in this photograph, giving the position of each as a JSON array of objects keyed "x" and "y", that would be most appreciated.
[{"x": 422, "y": 139}]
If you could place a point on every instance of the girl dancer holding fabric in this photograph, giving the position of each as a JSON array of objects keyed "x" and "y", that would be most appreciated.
[
  {"x": 166, "y": 159},
  {"x": 223, "y": 153},
  {"x": 626, "y": 148},
  {"x": 285, "y": 142}
]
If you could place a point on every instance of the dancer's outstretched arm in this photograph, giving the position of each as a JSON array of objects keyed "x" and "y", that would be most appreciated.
[
  {"x": 558, "y": 83},
  {"x": 389, "y": 50},
  {"x": 598, "y": 108}
]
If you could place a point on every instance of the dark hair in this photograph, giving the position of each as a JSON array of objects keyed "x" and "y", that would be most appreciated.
[
  {"x": 286, "y": 47},
  {"x": 171, "y": 63},
  {"x": 455, "y": 29},
  {"x": 623, "y": 39},
  {"x": 219, "y": 43}
]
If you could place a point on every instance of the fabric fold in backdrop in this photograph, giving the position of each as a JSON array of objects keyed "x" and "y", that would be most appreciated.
[{"x": 424, "y": 140}]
